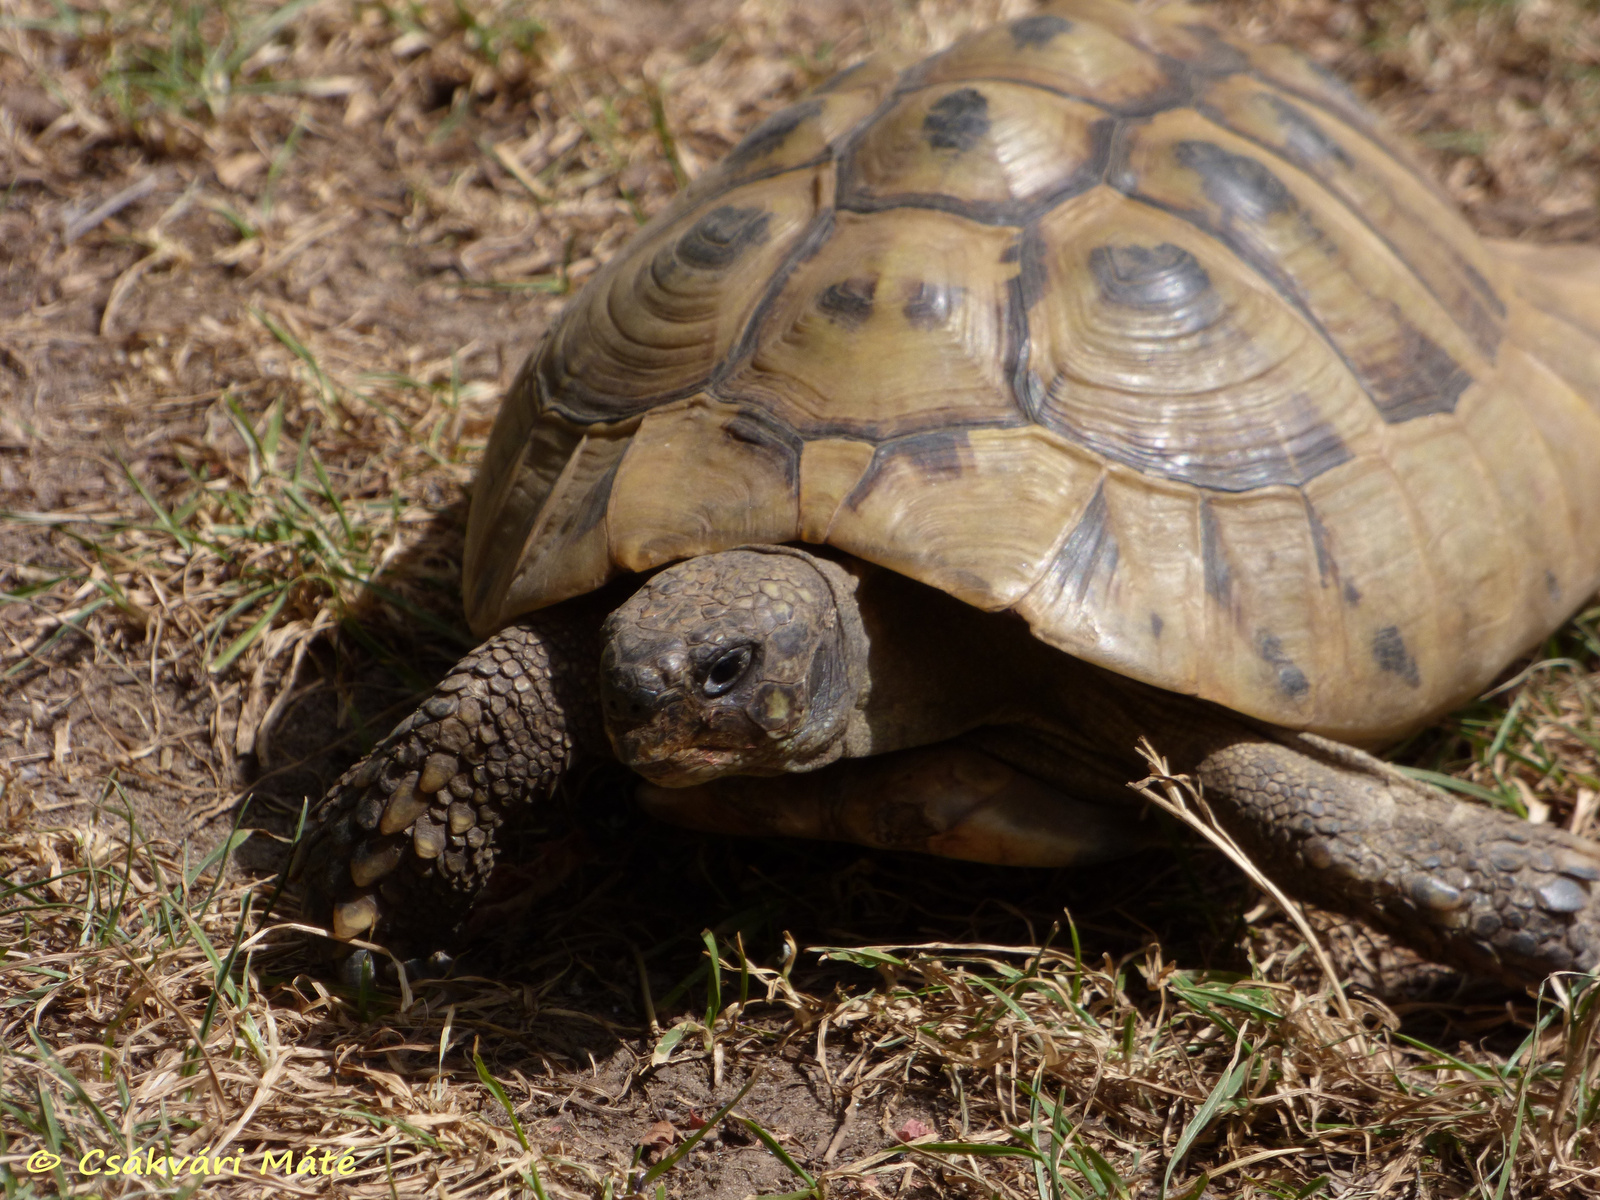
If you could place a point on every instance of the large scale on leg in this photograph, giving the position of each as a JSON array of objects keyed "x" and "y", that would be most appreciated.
[{"x": 1138, "y": 370}]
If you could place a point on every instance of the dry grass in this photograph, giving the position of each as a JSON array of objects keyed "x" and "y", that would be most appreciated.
[
  {"x": 148, "y": 1014},
  {"x": 264, "y": 270}
]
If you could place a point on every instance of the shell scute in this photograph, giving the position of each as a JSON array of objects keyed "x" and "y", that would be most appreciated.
[
  {"x": 1123, "y": 587},
  {"x": 989, "y": 150},
  {"x": 799, "y": 135},
  {"x": 1161, "y": 350},
  {"x": 1421, "y": 228},
  {"x": 977, "y": 514},
  {"x": 1085, "y": 61},
  {"x": 655, "y": 323},
  {"x": 897, "y": 323},
  {"x": 744, "y": 487},
  {"x": 1405, "y": 350},
  {"x": 551, "y": 546}
]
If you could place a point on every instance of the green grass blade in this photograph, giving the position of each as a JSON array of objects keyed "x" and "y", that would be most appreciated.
[
  {"x": 1450, "y": 783},
  {"x": 1226, "y": 1089},
  {"x": 499, "y": 1093},
  {"x": 778, "y": 1152},
  {"x": 693, "y": 1140},
  {"x": 244, "y": 641}
]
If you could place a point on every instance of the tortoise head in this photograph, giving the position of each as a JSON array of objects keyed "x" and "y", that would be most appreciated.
[{"x": 748, "y": 661}]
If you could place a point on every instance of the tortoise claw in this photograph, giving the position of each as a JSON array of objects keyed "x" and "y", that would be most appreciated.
[
  {"x": 404, "y": 807},
  {"x": 424, "y": 813},
  {"x": 352, "y": 918}
]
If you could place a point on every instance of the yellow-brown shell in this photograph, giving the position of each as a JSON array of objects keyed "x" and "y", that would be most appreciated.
[{"x": 1154, "y": 339}]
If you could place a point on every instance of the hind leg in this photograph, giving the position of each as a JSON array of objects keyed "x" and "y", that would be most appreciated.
[{"x": 1464, "y": 884}]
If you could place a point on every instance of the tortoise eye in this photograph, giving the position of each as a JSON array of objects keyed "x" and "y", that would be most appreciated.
[{"x": 727, "y": 671}]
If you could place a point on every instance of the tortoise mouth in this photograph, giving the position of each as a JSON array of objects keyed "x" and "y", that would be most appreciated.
[
  {"x": 680, "y": 766},
  {"x": 700, "y": 766}
]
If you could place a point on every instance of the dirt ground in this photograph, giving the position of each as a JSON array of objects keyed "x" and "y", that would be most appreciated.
[{"x": 264, "y": 273}]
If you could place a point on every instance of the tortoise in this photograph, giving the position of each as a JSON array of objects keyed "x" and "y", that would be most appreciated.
[{"x": 1099, "y": 377}]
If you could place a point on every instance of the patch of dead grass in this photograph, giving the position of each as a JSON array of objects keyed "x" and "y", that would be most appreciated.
[{"x": 149, "y": 1012}]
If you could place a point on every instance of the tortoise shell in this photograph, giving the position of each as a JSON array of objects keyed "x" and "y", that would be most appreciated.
[{"x": 1157, "y": 340}]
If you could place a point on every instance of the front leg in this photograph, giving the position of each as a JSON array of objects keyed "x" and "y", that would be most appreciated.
[
  {"x": 1466, "y": 885},
  {"x": 404, "y": 842}
]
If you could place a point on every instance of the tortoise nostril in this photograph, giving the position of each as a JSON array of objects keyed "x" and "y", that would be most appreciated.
[
  {"x": 633, "y": 705},
  {"x": 632, "y": 696}
]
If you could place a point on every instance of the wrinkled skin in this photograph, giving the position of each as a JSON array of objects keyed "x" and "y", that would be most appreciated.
[
  {"x": 767, "y": 690},
  {"x": 731, "y": 664}
]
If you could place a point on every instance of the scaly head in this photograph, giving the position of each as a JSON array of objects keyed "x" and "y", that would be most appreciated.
[{"x": 748, "y": 661}]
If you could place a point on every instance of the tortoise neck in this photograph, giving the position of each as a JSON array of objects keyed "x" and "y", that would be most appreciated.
[{"x": 937, "y": 667}]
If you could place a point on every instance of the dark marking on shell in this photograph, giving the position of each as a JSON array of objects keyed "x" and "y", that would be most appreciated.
[
  {"x": 937, "y": 455},
  {"x": 1292, "y": 680},
  {"x": 1026, "y": 386},
  {"x": 772, "y": 133},
  {"x": 781, "y": 444},
  {"x": 1327, "y": 93},
  {"x": 716, "y": 241},
  {"x": 1352, "y": 594},
  {"x": 1461, "y": 288},
  {"x": 1485, "y": 288},
  {"x": 1305, "y": 141},
  {"x": 593, "y": 509},
  {"x": 1312, "y": 446},
  {"x": 1103, "y": 136},
  {"x": 849, "y": 302},
  {"x": 1412, "y": 377},
  {"x": 958, "y": 121},
  {"x": 1480, "y": 311},
  {"x": 853, "y": 195},
  {"x": 1302, "y": 445},
  {"x": 1161, "y": 278},
  {"x": 929, "y": 305},
  {"x": 1031, "y": 278},
  {"x": 1119, "y": 173},
  {"x": 1340, "y": 94},
  {"x": 1176, "y": 91},
  {"x": 1156, "y": 625},
  {"x": 1236, "y": 183},
  {"x": 1029, "y": 390},
  {"x": 1552, "y": 586},
  {"x": 1327, "y": 569},
  {"x": 806, "y": 248},
  {"x": 1030, "y": 33},
  {"x": 1213, "y": 557},
  {"x": 1088, "y": 553},
  {"x": 1390, "y": 653},
  {"x": 1418, "y": 380}
]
